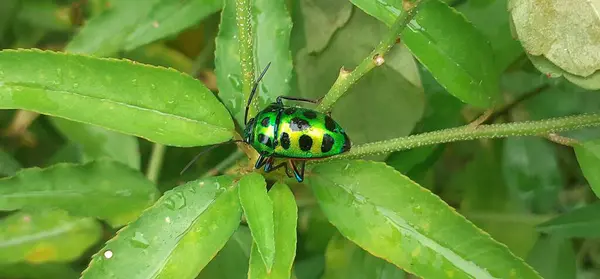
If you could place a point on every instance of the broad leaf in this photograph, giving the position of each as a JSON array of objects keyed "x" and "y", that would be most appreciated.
[
  {"x": 46, "y": 236},
  {"x": 38, "y": 271},
  {"x": 232, "y": 261},
  {"x": 345, "y": 260},
  {"x": 258, "y": 209},
  {"x": 104, "y": 189},
  {"x": 176, "y": 237},
  {"x": 285, "y": 218},
  {"x": 321, "y": 19},
  {"x": 463, "y": 63},
  {"x": 8, "y": 164},
  {"x": 581, "y": 222},
  {"x": 272, "y": 26},
  {"x": 96, "y": 142},
  {"x": 588, "y": 156},
  {"x": 394, "y": 218},
  {"x": 161, "y": 105}
]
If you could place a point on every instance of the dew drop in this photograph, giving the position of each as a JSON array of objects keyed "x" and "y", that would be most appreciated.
[
  {"x": 153, "y": 86},
  {"x": 138, "y": 240},
  {"x": 175, "y": 201},
  {"x": 168, "y": 220},
  {"x": 108, "y": 254},
  {"x": 75, "y": 85},
  {"x": 235, "y": 81}
]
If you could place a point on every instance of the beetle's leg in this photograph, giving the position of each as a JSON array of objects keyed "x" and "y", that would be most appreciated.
[
  {"x": 298, "y": 174},
  {"x": 280, "y": 98},
  {"x": 269, "y": 166},
  {"x": 261, "y": 161}
]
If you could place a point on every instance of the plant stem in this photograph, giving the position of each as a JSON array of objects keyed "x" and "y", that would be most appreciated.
[
  {"x": 243, "y": 16},
  {"x": 468, "y": 132},
  {"x": 230, "y": 160},
  {"x": 346, "y": 79},
  {"x": 156, "y": 159}
]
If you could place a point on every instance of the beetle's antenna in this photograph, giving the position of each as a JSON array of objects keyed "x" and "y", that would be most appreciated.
[
  {"x": 203, "y": 152},
  {"x": 254, "y": 91}
]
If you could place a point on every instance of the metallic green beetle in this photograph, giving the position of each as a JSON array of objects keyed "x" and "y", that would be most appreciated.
[
  {"x": 297, "y": 134},
  {"x": 294, "y": 133}
]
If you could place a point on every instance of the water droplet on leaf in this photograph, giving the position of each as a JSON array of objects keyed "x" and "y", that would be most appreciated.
[{"x": 138, "y": 240}]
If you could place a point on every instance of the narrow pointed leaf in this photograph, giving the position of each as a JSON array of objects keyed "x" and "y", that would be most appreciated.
[
  {"x": 588, "y": 156},
  {"x": 104, "y": 189},
  {"x": 553, "y": 257},
  {"x": 46, "y": 236},
  {"x": 581, "y": 222},
  {"x": 272, "y": 26},
  {"x": 286, "y": 217},
  {"x": 463, "y": 63},
  {"x": 393, "y": 218},
  {"x": 258, "y": 209},
  {"x": 176, "y": 237},
  {"x": 232, "y": 261},
  {"x": 158, "y": 104}
]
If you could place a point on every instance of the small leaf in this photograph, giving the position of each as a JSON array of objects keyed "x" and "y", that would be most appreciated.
[
  {"x": 321, "y": 19},
  {"x": 161, "y": 105},
  {"x": 176, "y": 237},
  {"x": 168, "y": 18},
  {"x": 285, "y": 217},
  {"x": 581, "y": 222},
  {"x": 46, "y": 236},
  {"x": 104, "y": 189},
  {"x": 565, "y": 34},
  {"x": 258, "y": 209},
  {"x": 345, "y": 260},
  {"x": 588, "y": 156},
  {"x": 591, "y": 82},
  {"x": 553, "y": 258},
  {"x": 272, "y": 26},
  {"x": 395, "y": 219},
  {"x": 463, "y": 63},
  {"x": 97, "y": 143}
]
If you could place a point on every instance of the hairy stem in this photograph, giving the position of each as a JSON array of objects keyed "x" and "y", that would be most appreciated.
[
  {"x": 156, "y": 159},
  {"x": 346, "y": 79},
  {"x": 243, "y": 16},
  {"x": 468, "y": 132}
]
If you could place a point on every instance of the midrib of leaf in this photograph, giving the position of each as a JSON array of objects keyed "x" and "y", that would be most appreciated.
[
  {"x": 83, "y": 96},
  {"x": 159, "y": 267},
  {"x": 463, "y": 264},
  {"x": 51, "y": 233}
]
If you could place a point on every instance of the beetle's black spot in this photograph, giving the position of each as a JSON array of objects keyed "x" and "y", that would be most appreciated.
[
  {"x": 305, "y": 142},
  {"x": 329, "y": 124},
  {"x": 290, "y": 111},
  {"x": 285, "y": 140},
  {"x": 327, "y": 143},
  {"x": 310, "y": 114},
  {"x": 347, "y": 143},
  {"x": 299, "y": 124},
  {"x": 264, "y": 140},
  {"x": 265, "y": 122}
]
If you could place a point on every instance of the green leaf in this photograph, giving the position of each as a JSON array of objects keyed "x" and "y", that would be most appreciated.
[
  {"x": 104, "y": 189},
  {"x": 46, "y": 236},
  {"x": 272, "y": 26},
  {"x": 258, "y": 209},
  {"x": 581, "y": 222},
  {"x": 463, "y": 63},
  {"x": 553, "y": 257},
  {"x": 176, "y": 237},
  {"x": 232, "y": 261},
  {"x": 97, "y": 142},
  {"x": 160, "y": 55},
  {"x": 38, "y": 271},
  {"x": 161, "y": 105},
  {"x": 8, "y": 165},
  {"x": 530, "y": 169},
  {"x": 285, "y": 220},
  {"x": 588, "y": 156},
  {"x": 346, "y": 260},
  {"x": 321, "y": 19},
  {"x": 45, "y": 15},
  {"x": 168, "y": 18},
  {"x": 591, "y": 82},
  {"x": 395, "y": 219},
  {"x": 399, "y": 102},
  {"x": 566, "y": 36}
]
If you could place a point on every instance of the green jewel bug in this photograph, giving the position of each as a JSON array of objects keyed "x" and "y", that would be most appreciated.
[{"x": 293, "y": 133}]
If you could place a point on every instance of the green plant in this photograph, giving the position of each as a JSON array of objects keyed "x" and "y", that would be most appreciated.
[{"x": 392, "y": 213}]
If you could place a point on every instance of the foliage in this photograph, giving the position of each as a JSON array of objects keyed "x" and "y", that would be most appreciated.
[{"x": 105, "y": 101}]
